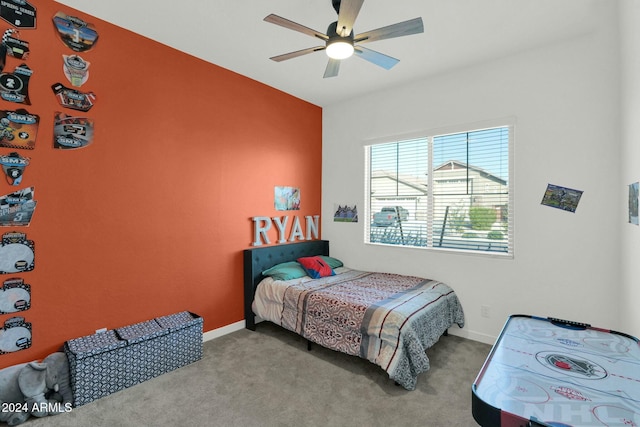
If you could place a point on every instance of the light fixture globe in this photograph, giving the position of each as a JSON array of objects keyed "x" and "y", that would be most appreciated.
[
  {"x": 339, "y": 46},
  {"x": 339, "y": 49}
]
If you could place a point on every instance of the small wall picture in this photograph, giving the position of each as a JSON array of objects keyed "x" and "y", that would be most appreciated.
[
  {"x": 561, "y": 197},
  {"x": 287, "y": 198},
  {"x": 345, "y": 213},
  {"x": 633, "y": 203}
]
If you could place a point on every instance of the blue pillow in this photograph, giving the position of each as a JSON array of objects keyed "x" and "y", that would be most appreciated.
[
  {"x": 333, "y": 262},
  {"x": 285, "y": 271}
]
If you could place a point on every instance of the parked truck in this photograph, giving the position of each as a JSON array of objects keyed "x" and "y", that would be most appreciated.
[{"x": 390, "y": 215}]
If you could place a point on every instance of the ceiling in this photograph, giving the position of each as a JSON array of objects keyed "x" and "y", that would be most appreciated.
[{"x": 458, "y": 33}]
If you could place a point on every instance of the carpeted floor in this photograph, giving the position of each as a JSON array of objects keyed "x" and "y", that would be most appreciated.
[{"x": 268, "y": 378}]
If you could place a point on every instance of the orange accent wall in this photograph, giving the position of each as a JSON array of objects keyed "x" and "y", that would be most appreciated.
[{"x": 152, "y": 218}]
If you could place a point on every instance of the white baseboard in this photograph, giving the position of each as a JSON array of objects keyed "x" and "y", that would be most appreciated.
[
  {"x": 237, "y": 326},
  {"x": 217, "y": 333},
  {"x": 474, "y": 336}
]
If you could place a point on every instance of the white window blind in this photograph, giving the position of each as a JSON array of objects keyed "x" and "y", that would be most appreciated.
[
  {"x": 443, "y": 191},
  {"x": 399, "y": 200}
]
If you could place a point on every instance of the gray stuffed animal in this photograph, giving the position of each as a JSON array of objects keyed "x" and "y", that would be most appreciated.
[
  {"x": 57, "y": 380},
  {"x": 14, "y": 410},
  {"x": 23, "y": 389}
]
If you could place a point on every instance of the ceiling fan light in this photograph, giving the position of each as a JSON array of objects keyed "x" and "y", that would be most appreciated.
[{"x": 339, "y": 50}]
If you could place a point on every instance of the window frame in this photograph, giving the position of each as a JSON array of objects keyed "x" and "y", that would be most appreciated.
[{"x": 429, "y": 135}]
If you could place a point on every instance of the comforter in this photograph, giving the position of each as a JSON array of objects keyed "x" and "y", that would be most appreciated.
[{"x": 388, "y": 319}]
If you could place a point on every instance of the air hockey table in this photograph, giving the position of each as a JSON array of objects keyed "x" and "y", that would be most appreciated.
[{"x": 552, "y": 372}]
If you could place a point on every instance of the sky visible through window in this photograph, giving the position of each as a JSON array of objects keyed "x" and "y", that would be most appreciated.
[{"x": 487, "y": 150}]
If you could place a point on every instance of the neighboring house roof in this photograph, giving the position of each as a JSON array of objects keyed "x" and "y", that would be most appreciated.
[
  {"x": 457, "y": 165},
  {"x": 416, "y": 183},
  {"x": 419, "y": 184}
]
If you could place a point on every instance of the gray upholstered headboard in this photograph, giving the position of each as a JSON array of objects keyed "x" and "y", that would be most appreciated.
[{"x": 257, "y": 260}]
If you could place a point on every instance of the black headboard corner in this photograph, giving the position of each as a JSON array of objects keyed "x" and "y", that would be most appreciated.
[{"x": 256, "y": 260}]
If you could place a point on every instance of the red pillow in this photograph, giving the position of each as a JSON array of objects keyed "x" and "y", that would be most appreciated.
[{"x": 316, "y": 267}]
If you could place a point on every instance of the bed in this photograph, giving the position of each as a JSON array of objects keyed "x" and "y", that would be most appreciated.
[{"x": 388, "y": 319}]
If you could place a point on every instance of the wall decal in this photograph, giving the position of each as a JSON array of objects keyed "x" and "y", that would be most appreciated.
[
  {"x": 15, "y": 296},
  {"x": 19, "y": 13},
  {"x": 18, "y": 129},
  {"x": 16, "y": 209},
  {"x": 345, "y": 213},
  {"x": 633, "y": 203},
  {"x": 16, "y": 47},
  {"x": 13, "y": 165},
  {"x": 74, "y": 99},
  {"x": 14, "y": 87},
  {"x": 287, "y": 198},
  {"x": 15, "y": 335},
  {"x": 75, "y": 33},
  {"x": 262, "y": 224},
  {"x": 561, "y": 197},
  {"x": 11, "y": 45},
  {"x": 75, "y": 69},
  {"x": 17, "y": 254},
  {"x": 71, "y": 132}
]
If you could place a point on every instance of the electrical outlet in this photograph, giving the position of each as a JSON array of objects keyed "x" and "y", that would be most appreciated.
[{"x": 485, "y": 311}]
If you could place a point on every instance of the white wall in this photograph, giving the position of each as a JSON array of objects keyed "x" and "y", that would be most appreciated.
[
  {"x": 565, "y": 100},
  {"x": 630, "y": 137}
]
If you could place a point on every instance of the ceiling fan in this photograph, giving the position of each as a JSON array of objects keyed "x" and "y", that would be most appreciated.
[{"x": 341, "y": 43}]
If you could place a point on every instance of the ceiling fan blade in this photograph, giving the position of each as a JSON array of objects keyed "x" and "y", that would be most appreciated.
[
  {"x": 295, "y": 54},
  {"x": 283, "y": 22},
  {"x": 380, "y": 59},
  {"x": 406, "y": 28},
  {"x": 333, "y": 66},
  {"x": 349, "y": 10}
]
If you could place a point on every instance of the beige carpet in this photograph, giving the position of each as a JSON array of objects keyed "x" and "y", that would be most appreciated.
[{"x": 268, "y": 378}]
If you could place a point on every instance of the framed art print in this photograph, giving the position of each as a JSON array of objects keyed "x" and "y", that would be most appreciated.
[{"x": 561, "y": 198}]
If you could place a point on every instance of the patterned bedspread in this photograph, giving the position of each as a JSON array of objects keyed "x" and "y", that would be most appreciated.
[{"x": 388, "y": 319}]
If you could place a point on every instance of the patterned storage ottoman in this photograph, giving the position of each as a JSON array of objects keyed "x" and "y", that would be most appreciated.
[
  {"x": 184, "y": 340},
  {"x": 110, "y": 361}
]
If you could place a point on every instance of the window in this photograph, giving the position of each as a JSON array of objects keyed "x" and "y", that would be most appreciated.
[{"x": 447, "y": 191}]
